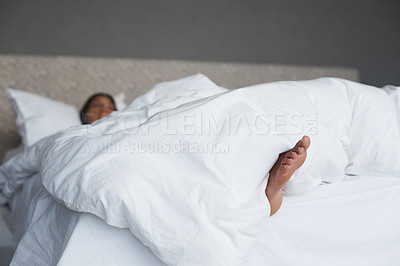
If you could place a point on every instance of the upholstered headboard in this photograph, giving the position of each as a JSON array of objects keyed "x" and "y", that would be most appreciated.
[{"x": 72, "y": 79}]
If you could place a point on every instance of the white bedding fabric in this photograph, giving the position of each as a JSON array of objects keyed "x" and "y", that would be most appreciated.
[
  {"x": 39, "y": 116},
  {"x": 211, "y": 211},
  {"x": 348, "y": 223}
]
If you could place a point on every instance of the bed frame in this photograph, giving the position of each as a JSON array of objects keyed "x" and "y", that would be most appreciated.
[{"x": 72, "y": 79}]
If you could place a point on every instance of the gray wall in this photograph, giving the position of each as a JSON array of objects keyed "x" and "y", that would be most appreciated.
[{"x": 364, "y": 34}]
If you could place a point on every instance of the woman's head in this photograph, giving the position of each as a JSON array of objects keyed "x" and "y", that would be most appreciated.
[{"x": 98, "y": 105}]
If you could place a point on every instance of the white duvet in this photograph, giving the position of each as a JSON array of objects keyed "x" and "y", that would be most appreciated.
[{"x": 185, "y": 166}]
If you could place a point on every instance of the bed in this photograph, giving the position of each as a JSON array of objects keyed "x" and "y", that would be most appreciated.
[{"x": 350, "y": 217}]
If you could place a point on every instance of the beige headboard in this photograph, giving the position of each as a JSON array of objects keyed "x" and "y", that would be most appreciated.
[{"x": 72, "y": 79}]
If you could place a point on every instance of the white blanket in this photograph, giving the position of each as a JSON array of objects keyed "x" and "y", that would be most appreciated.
[{"x": 188, "y": 178}]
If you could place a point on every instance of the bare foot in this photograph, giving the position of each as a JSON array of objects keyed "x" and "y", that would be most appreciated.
[{"x": 287, "y": 163}]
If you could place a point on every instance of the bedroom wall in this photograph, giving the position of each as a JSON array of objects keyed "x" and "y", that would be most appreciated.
[{"x": 364, "y": 34}]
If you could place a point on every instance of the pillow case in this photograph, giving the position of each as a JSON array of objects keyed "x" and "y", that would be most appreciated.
[
  {"x": 394, "y": 94},
  {"x": 38, "y": 117},
  {"x": 119, "y": 100}
]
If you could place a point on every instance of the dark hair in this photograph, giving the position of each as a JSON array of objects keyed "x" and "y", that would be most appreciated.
[{"x": 87, "y": 103}]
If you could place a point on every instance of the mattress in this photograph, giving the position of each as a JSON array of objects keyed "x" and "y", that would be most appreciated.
[{"x": 348, "y": 223}]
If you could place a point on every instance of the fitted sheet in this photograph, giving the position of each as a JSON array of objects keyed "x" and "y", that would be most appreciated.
[{"x": 354, "y": 222}]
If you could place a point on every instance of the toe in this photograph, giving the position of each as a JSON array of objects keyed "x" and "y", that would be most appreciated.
[
  {"x": 287, "y": 161},
  {"x": 291, "y": 154},
  {"x": 305, "y": 142}
]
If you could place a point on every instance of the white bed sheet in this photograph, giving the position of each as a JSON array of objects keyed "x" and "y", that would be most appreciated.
[{"x": 355, "y": 222}]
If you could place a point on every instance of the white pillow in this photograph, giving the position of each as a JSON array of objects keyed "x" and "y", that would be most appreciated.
[
  {"x": 119, "y": 100},
  {"x": 39, "y": 116}
]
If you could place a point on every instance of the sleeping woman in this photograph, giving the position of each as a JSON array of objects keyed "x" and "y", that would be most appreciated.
[
  {"x": 101, "y": 105},
  {"x": 97, "y": 106}
]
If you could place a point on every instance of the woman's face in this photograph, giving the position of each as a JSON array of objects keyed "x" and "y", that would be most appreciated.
[{"x": 99, "y": 107}]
